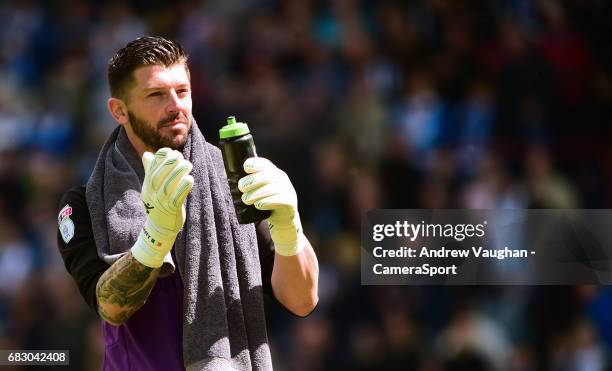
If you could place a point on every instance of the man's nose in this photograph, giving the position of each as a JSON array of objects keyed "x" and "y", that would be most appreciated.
[{"x": 176, "y": 104}]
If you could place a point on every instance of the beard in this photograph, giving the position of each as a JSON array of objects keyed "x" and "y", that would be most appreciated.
[{"x": 151, "y": 135}]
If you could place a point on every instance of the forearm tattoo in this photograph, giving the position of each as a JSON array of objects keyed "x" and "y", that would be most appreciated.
[{"x": 124, "y": 288}]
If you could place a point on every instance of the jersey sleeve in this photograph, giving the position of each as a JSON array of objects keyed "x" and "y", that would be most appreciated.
[
  {"x": 77, "y": 246},
  {"x": 266, "y": 256}
]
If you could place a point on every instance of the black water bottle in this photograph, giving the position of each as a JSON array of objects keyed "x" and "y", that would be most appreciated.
[{"x": 237, "y": 145}]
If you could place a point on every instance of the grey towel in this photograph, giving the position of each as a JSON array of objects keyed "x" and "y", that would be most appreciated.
[{"x": 224, "y": 325}]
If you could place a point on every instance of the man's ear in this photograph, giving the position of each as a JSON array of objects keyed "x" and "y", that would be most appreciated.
[{"x": 118, "y": 110}]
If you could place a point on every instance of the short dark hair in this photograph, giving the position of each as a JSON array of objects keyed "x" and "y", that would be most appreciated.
[{"x": 143, "y": 51}]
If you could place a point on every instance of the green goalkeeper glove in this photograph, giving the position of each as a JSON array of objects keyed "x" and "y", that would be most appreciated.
[
  {"x": 166, "y": 185},
  {"x": 269, "y": 188}
]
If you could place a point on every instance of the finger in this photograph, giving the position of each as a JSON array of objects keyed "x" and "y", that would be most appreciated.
[
  {"x": 147, "y": 160},
  {"x": 272, "y": 202},
  {"x": 267, "y": 190},
  {"x": 174, "y": 178},
  {"x": 160, "y": 155},
  {"x": 182, "y": 190},
  {"x": 256, "y": 180},
  {"x": 255, "y": 164},
  {"x": 161, "y": 173}
]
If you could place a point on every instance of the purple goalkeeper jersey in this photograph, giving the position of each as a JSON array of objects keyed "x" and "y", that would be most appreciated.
[{"x": 151, "y": 339}]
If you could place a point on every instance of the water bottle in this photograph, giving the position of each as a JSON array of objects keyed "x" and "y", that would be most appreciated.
[{"x": 237, "y": 145}]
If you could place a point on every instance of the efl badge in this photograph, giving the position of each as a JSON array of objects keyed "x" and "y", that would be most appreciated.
[{"x": 66, "y": 226}]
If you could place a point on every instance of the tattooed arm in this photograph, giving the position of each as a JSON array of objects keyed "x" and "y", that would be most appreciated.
[{"x": 124, "y": 288}]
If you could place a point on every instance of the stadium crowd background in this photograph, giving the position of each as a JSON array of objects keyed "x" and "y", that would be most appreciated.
[{"x": 365, "y": 104}]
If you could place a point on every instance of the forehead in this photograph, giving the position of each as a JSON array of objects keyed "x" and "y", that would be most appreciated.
[{"x": 157, "y": 76}]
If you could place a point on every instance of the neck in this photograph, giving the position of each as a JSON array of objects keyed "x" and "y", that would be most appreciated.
[{"x": 136, "y": 142}]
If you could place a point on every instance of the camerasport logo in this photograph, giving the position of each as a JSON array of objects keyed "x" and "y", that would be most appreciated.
[{"x": 66, "y": 226}]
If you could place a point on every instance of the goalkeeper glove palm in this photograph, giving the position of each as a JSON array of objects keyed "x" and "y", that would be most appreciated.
[
  {"x": 166, "y": 185},
  {"x": 269, "y": 188}
]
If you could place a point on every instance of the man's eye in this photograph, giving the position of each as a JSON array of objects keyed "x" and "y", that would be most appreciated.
[
  {"x": 183, "y": 91},
  {"x": 155, "y": 94}
]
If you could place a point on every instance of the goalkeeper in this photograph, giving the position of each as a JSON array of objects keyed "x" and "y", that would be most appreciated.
[{"x": 152, "y": 240}]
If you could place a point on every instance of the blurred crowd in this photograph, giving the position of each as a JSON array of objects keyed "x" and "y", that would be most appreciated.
[{"x": 366, "y": 104}]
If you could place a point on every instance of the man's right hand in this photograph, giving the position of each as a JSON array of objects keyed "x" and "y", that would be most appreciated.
[{"x": 166, "y": 185}]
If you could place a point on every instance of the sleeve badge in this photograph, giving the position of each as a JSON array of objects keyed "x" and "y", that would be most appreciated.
[{"x": 66, "y": 226}]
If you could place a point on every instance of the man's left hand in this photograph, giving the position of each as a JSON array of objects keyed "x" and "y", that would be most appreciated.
[{"x": 269, "y": 188}]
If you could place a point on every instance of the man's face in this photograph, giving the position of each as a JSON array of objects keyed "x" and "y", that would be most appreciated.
[{"x": 159, "y": 106}]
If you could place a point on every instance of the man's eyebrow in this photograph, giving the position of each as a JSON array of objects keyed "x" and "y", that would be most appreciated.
[{"x": 166, "y": 87}]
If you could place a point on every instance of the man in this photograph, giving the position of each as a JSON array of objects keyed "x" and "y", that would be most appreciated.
[{"x": 158, "y": 198}]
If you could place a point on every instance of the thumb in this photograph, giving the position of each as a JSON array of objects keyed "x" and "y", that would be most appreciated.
[
  {"x": 254, "y": 164},
  {"x": 147, "y": 159}
]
